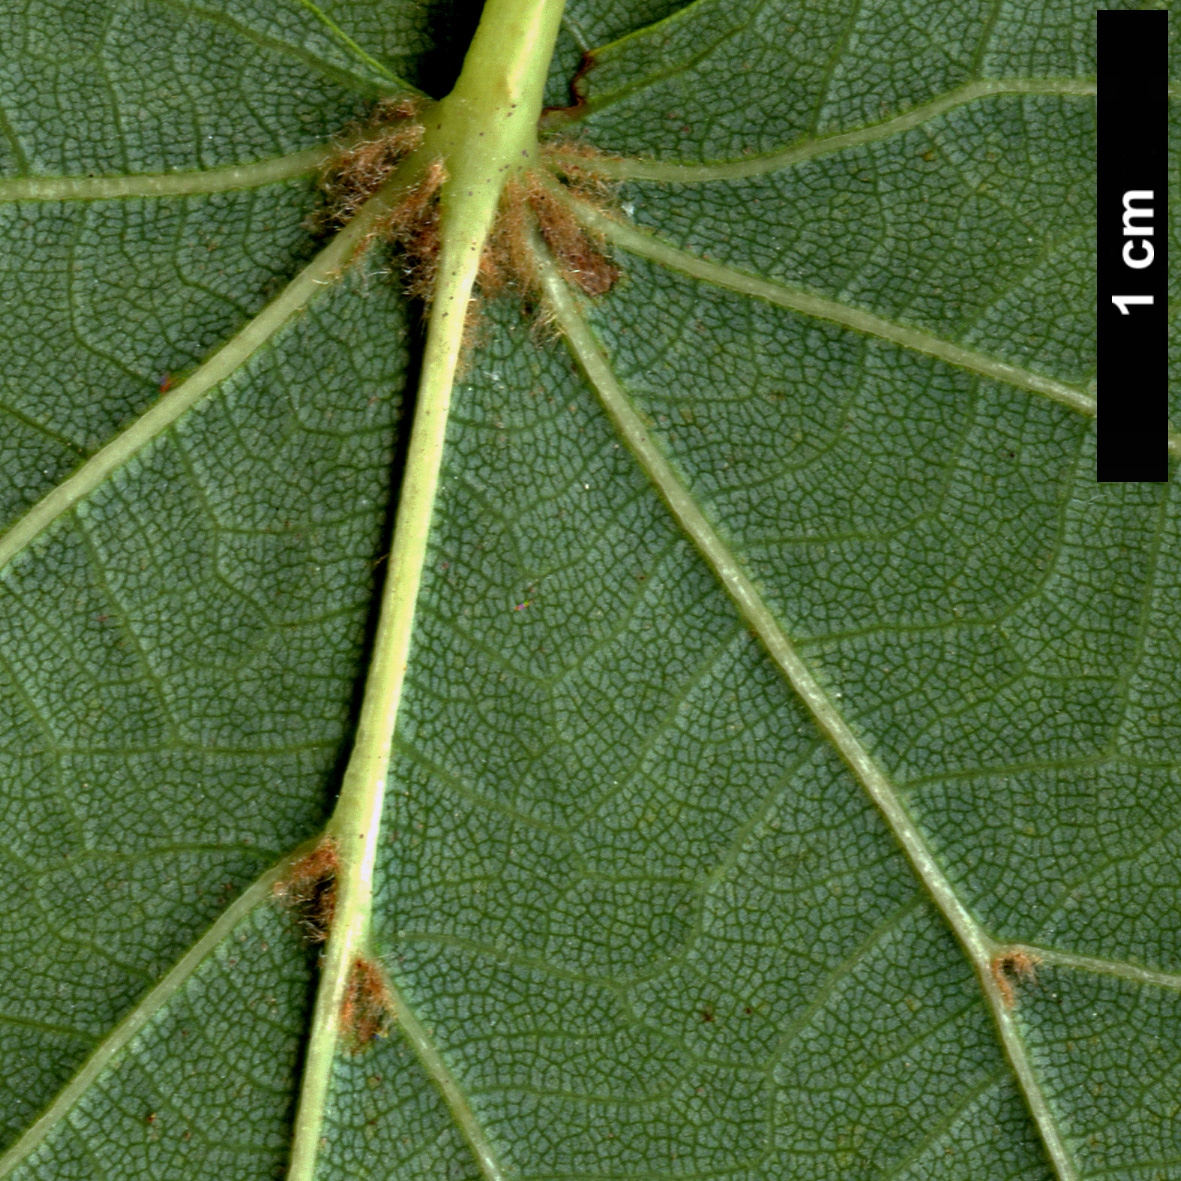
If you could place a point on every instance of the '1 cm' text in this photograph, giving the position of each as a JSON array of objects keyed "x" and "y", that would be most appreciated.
[{"x": 1137, "y": 252}]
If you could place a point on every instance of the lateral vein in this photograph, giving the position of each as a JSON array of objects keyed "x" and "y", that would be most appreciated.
[
  {"x": 159, "y": 417},
  {"x": 798, "y": 300},
  {"x": 628, "y": 168},
  {"x": 164, "y": 184},
  {"x": 979, "y": 947}
]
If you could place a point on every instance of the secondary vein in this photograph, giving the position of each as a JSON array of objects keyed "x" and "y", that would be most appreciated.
[
  {"x": 627, "y": 168},
  {"x": 139, "y": 1017},
  {"x": 798, "y": 300},
  {"x": 979, "y": 947},
  {"x": 164, "y": 184},
  {"x": 72, "y": 491}
]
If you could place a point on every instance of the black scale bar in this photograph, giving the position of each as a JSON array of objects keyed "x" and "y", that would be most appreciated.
[{"x": 1132, "y": 245}]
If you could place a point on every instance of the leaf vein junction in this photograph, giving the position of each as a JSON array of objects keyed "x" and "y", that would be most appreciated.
[{"x": 975, "y": 942}]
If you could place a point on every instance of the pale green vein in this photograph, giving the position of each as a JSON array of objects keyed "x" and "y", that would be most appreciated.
[
  {"x": 14, "y": 415},
  {"x": 313, "y": 60},
  {"x": 625, "y": 168},
  {"x": 702, "y": 50},
  {"x": 346, "y": 40},
  {"x": 164, "y": 184},
  {"x": 827, "y": 986},
  {"x": 1175, "y": 444},
  {"x": 749, "y": 601},
  {"x": 978, "y": 946},
  {"x": 481, "y": 134},
  {"x": 10, "y": 1021},
  {"x": 1101, "y": 967},
  {"x": 14, "y": 144},
  {"x": 139, "y": 1017},
  {"x": 322, "y": 270},
  {"x": 684, "y": 13},
  {"x": 797, "y": 300},
  {"x": 432, "y": 1061},
  {"x": 936, "y": 1132}
]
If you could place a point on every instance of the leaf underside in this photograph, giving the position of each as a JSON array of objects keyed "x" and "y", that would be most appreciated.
[{"x": 646, "y": 913}]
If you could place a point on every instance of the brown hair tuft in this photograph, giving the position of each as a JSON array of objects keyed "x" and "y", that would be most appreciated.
[
  {"x": 367, "y": 1010},
  {"x": 309, "y": 890}
]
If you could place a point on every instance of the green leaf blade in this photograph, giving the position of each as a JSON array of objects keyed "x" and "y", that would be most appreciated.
[
  {"x": 179, "y": 749},
  {"x": 642, "y": 917}
]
